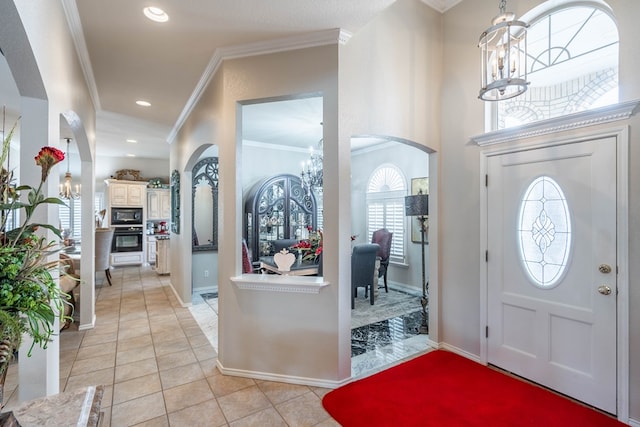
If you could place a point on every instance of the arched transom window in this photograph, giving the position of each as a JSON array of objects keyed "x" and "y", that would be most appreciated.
[{"x": 572, "y": 63}]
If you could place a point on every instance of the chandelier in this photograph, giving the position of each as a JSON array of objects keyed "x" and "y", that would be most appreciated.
[
  {"x": 65, "y": 189},
  {"x": 311, "y": 174},
  {"x": 504, "y": 57}
]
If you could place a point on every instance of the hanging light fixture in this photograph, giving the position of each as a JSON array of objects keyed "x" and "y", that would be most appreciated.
[
  {"x": 504, "y": 57},
  {"x": 65, "y": 189},
  {"x": 312, "y": 174}
]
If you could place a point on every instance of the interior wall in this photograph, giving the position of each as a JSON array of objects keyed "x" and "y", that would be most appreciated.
[
  {"x": 51, "y": 84},
  {"x": 463, "y": 117},
  {"x": 390, "y": 84},
  {"x": 303, "y": 71}
]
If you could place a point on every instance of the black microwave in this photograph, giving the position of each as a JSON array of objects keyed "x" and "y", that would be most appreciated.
[{"x": 126, "y": 216}]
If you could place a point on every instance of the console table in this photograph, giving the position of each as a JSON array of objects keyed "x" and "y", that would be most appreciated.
[{"x": 305, "y": 268}]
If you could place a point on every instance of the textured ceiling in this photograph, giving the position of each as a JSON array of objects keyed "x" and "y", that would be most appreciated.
[{"x": 129, "y": 57}]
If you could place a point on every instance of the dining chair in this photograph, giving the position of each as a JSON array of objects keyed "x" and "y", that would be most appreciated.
[
  {"x": 247, "y": 266},
  {"x": 104, "y": 236},
  {"x": 383, "y": 238},
  {"x": 363, "y": 265}
]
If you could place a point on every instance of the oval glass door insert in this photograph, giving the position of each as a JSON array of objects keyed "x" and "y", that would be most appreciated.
[{"x": 544, "y": 232}]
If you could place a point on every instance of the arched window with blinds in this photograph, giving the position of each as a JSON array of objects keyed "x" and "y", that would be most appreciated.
[{"x": 385, "y": 207}]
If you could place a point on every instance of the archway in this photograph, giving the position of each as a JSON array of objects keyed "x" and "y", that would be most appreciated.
[{"x": 385, "y": 169}]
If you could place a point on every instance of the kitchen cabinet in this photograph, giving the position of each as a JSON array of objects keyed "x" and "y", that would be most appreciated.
[
  {"x": 151, "y": 249},
  {"x": 278, "y": 208},
  {"x": 126, "y": 193},
  {"x": 162, "y": 255},
  {"x": 126, "y": 258},
  {"x": 158, "y": 204}
]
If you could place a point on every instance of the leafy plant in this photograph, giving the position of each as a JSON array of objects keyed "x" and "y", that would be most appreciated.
[{"x": 30, "y": 298}]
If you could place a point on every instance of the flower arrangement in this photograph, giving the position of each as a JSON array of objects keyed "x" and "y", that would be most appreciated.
[
  {"x": 312, "y": 247},
  {"x": 30, "y": 298}
]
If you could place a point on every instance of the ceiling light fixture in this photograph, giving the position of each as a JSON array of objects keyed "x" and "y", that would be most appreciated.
[
  {"x": 504, "y": 57},
  {"x": 143, "y": 103},
  {"x": 65, "y": 189},
  {"x": 155, "y": 14},
  {"x": 132, "y": 141}
]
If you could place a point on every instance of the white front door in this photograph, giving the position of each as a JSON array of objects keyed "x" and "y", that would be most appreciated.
[{"x": 551, "y": 270}]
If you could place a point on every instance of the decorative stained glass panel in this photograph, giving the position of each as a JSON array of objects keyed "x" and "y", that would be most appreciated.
[{"x": 544, "y": 232}]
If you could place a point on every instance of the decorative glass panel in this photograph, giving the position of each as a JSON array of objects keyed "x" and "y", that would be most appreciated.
[{"x": 544, "y": 232}]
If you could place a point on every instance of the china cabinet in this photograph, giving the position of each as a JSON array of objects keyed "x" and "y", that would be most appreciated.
[{"x": 278, "y": 208}]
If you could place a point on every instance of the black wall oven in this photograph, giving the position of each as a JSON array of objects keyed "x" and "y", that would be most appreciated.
[
  {"x": 126, "y": 216},
  {"x": 127, "y": 239}
]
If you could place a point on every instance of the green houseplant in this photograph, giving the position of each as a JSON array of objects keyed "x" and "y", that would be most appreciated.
[{"x": 30, "y": 298}]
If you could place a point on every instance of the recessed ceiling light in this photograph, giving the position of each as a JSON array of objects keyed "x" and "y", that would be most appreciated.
[
  {"x": 133, "y": 141},
  {"x": 155, "y": 14},
  {"x": 143, "y": 103},
  {"x": 131, "y": 155}
]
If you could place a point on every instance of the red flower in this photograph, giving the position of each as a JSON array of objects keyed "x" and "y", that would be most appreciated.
[
  {"x": 46, "y": 158},
  {"x": 319, "y": 250}
]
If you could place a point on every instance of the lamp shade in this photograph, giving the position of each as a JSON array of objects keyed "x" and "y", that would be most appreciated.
[{"x": 417, "y": 205}]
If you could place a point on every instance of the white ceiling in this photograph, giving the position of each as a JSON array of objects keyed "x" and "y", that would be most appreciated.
[{"x": 129, "y": 57}]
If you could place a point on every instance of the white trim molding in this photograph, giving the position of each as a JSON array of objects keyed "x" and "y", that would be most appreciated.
[
  {"x": 304, "y": 41},
  {"x": 597, "y": 116},
  {"x": 280, "y": 283}
]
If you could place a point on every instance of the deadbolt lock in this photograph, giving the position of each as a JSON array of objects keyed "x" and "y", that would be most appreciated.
[
  {"x": 604, "y": 268},
  {"x": 604, "y": 290}
]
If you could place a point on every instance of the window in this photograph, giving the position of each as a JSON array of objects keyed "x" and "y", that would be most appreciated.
[
  {"x": 70, "y": 217},
  {"x": 544, "y": 232},
  {"x": 572, "y": 60},
  {"x": 385, "y": 207}
]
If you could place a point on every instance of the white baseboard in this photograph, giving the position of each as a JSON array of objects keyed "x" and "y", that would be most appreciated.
[
  {"x": 459, "y": 352},
  {"x": 313, "y": 382}
]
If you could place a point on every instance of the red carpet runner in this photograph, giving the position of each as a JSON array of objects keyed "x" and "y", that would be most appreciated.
[{"x": 444, "y": 389}]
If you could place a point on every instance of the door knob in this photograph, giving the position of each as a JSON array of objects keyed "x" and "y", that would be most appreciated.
[
  {"x": 604, "y": 268},
  {"x": 604, "y": 289}
]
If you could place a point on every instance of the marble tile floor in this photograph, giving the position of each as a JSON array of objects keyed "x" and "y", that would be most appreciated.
[{"x": 158, "y": 366}]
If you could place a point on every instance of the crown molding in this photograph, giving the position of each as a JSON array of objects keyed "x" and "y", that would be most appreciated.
[
  {"x": 75, "y": 27},
  {"x": 441, "y": 5},
  {"x": 606, "y": 114},
  {"x": 304, "y": 41}
]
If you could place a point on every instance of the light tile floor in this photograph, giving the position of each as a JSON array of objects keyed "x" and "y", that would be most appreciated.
[
  {"x": 159, "y": 367},
  {"x": 157, "y": 361}
]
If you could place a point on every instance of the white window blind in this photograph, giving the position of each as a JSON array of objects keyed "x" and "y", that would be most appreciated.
[
  {"x": 70, "y": 217},
  {"x": 385, "y": 207}
]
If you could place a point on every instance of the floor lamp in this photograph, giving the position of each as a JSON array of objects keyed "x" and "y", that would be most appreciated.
[{"x": 418, "y": 206}]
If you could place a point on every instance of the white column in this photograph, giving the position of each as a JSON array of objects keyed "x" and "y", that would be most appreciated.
[{"x": 39, "y": 375}]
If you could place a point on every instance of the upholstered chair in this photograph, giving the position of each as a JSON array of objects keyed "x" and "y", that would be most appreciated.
[
  {"x": 104, "y": 237},
  {"x": 363, "y": 266},
  {"x": 383, "y": 238}
]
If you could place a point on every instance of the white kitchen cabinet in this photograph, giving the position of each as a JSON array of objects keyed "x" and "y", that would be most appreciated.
[
  {"x": 158, "y": 204},
  {"x": 151, "y": 249},
  {"x": 123, "y": 193},
  {"x": 162, "y": 255},
  {"x": 126, "y": 258}
]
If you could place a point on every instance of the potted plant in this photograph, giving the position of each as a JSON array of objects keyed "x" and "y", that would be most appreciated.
[{"x": 30, "y": 298}]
